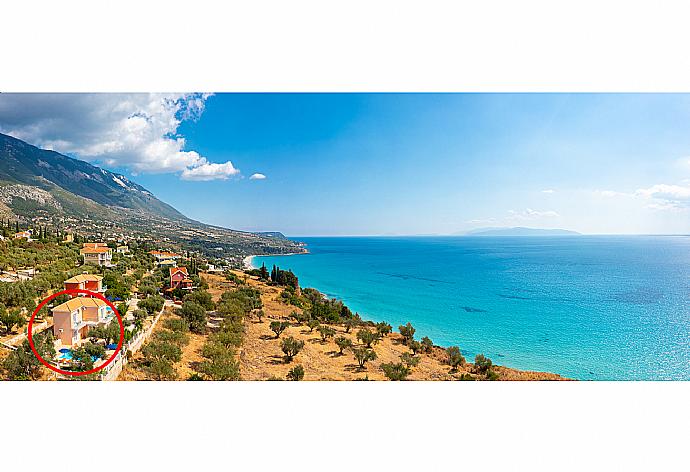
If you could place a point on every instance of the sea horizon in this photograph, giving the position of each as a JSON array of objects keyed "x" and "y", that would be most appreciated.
[{"x": 575, "y": 306}]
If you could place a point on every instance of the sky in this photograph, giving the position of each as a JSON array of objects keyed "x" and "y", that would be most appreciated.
[{"x": 385, "y": 164}]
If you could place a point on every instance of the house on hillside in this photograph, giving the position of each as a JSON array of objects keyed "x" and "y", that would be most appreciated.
[
  {"x": 90, "y": 282},
  {"x": 179, "y": 278},
  {"x": 24, "y": 235},
  {"x": 97, "y": 254},
  {"x": 168, "y": 263},
  {"x": 122, "y": 250},
  {"x": 165, "y": 259},
  {"x": 72, "y": 319},
  {"x": 69, "y": 238}
]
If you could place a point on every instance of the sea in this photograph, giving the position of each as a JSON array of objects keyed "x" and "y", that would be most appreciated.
[{"x": 585, "y": 307}]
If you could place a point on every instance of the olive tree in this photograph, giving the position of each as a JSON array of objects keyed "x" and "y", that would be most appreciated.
[
  {"x": 367, "y": 337},
  {"x": 291, "y": 347},
  {"x": 364, "y": 355},
  {"x": 455, "y": 357},
  {"x": 278, "y": 327},
  {"x": 343, "y": 343},
  {"x": 407, "y": 331}
]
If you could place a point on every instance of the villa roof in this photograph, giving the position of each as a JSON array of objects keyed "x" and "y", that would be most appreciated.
[
  {"x": 163, "y": 253},
  {"x": 80, "y": 302},
  {"x": 95, "y": 250},
  {"x": 175, "y": 270},
  {"x": 92, "y": 245},
  {"x": 83, "y": 278}
]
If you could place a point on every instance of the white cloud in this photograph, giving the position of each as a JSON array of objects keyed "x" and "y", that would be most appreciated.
[
  {"x": 134, "y": 131},
  {"x": 257, "y": 176},
  {"x": 548, "y": 191},
  {"x": 611, "y": 194},
  {"x": 665, "y": 196},
  {"x": 530, "y": 214},
  {"x": 210, "y": 171}
]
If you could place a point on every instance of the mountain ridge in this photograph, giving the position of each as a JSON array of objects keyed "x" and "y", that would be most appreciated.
[{"x": 46, "y": 188}]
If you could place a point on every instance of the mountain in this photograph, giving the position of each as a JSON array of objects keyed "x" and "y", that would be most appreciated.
[
  {"x": 520, "y": 231},
  {"x": 41, "y": 187},
  {"x": 23, "y": 163}
]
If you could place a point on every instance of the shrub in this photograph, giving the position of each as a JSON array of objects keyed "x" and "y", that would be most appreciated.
[
  {"x": 195, "y": 315},
  {"x": 177, "y": 338},
  {"x": 296, "y": 373},
  {"x": 482, "y": 363},
  {"x": 200, "y": 297},
  {"x": 260, "y": 314},
  {"x": 313, "y": 324},
  {"x": 278, "y": 327},
  {"x": 383, "y": 329},
  {"x": 152, "y": 304},
  {"x": 156, "y": 350},
  {"x": 409, "y": 360},
  {"x": 94, "y": 350},
  {"x": 491, "y": 375},
  {"x": 326, "y": 332},
  {"x": 350, "y": 323},
  {"x": 343, "y": 343},
  {"x": 176, "y": 324},
  {"x": 363, "y": 355},
  {"x": 415, "y": 346},
  {"x": 220, "y": 367},
  {"x": 427, "y": 345},
  {"x": 367, "y": 337},
  {"x": 291, "y": 347},
  {"x": 397, "y": 371},
  {"x": 161, "y": 369},
  {"x": 407, "y": 331},
  {"x": 455, "y": 357}
]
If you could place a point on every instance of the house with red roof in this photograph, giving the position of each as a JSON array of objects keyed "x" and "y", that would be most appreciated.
[{"x": 179, "y": 278}]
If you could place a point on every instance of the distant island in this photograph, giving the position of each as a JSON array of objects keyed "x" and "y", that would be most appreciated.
[{"x": 520, "y": 231}]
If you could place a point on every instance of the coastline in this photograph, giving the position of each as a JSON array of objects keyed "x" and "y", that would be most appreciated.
[{"x": 247, "y": 261}]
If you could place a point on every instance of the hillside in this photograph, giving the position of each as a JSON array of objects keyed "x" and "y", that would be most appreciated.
[{"x": 40, "y": 187}]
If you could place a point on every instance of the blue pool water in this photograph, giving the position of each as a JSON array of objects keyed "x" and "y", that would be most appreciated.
[{"x": 587, "y": 307}]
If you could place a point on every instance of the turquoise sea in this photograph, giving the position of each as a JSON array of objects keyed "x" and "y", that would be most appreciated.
[{"x": 586, "y": 307}]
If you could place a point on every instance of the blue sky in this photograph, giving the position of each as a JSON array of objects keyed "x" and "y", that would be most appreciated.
[{"x": 355, "y": 164}]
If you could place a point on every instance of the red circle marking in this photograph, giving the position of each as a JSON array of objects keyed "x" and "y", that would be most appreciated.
[{"x": 76, "y": 291}]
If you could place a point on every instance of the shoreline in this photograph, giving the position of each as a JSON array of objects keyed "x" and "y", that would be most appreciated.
[{"x": 247, "y": 261}]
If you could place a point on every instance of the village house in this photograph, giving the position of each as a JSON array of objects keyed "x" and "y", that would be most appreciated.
[
  {"x": 69, "y": 238},
  {"x": 72, "y": 319},
  {"x": 164, "y": 256},
  {"x": 92, "y": 283},
  {"x": 179, "y": 278},
  {"x": 24, "y": 235},
  {"x": 122, "y": 250},
  {"x": 168, "y": 263},
  {"x": 97, "y": 254}
]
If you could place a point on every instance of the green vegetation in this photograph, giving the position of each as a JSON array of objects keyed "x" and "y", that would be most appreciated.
[
  {"x": 427, "y": 345},
  {"x": 22, "y": 364},
  {"x": 195, "y": 315},
  {"x": 326, "y": 332},
  {"x": 291, "y": 347},
  {"x": 455, "y": 357},
  {"x": 296, "y": 373},
  {"x": 482, "y": 364},
  {"x": 278, "y": 327},
  {"x": 408, "y": 332},
  {"x": 383, "y": 329},
  {"x": 396, "y": 371},
  {"x": 363, "y": 355},
  {"x": 367, "y": 337},
  {"x": 9, "y": 319},
  {"x": 153, "y": 304},
  {"x": 343, "y": 343},
  {"x": 409, "y": 360}
]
